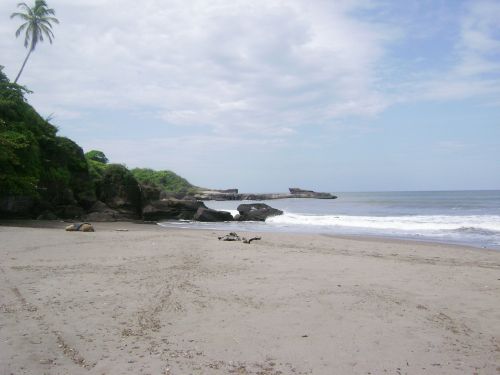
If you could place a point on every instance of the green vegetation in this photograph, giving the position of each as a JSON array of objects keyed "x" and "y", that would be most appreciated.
[
  {"x": 34, "y": 161},
  {"x": 96, "y": 161},
  {"x": 96, "y": 155},
  {"x": 40, "y": 171},
  {"x": 20, "y": 131},
  {"x": 166, "y": 180},
  {"x": 37, "y": 24}
]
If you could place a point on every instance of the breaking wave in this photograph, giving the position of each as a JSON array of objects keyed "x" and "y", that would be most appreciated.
[{"x": 484, "y": 224}]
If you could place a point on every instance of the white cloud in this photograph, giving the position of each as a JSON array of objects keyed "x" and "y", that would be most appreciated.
[
  {"x": 476, "y": 71},
  {"x": 250, "y": 66}
]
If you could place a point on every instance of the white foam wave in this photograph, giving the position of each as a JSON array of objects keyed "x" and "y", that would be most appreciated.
[
  {"x": 399, "y": 223},
  {"x": 232, "y": 212}
]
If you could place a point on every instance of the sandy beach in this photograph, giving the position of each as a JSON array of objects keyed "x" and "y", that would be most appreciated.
[{"x": 141, "y": 299}]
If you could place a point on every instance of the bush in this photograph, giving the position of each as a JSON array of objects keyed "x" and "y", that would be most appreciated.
[
  {"x": 166, "y": 180},
  {"x": 97, "y": 156}
]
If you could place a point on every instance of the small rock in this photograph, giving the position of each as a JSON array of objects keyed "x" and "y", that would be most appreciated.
[{"x": 80, "y": 227}]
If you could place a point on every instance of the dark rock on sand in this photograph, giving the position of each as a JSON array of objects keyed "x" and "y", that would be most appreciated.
[
  {"x": 171, "y": 209},
  {"x": 256, "y": 212},
  {"x": 80, "y": 227},
  {"x": 210, "y": 215}
]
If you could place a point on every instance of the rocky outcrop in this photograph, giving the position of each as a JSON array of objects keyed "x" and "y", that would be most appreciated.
[
  {"x": 120, "y": 191},
  {"x": 300, "y": 193},
  {"x": 233, "y": 195},
  {"x": 150, "y": 193},
  {"x": 100, "y": 211},
  {"x": 171, "y": 209},
  {"x": 210, "y": 215},
  {"x": 217, "y": 195},
  {"x": 256, "y": 212}
]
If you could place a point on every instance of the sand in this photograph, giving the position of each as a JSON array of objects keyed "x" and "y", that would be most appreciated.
[{"x": 151, "y": 300}]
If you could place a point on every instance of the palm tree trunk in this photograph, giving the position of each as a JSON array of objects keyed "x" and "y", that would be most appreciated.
[{"x": 24, "y": 63}]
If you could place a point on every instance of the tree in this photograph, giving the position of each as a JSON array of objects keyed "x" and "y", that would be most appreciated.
[
  {"x": 37, "y": 24},
  {"x": 97, "y": 156}
]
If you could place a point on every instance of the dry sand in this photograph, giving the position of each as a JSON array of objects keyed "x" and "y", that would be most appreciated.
[{"x": 156, "y": 301}]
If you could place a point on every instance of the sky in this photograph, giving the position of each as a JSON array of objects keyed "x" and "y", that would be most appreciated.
[{"x": 262, "y": 95}]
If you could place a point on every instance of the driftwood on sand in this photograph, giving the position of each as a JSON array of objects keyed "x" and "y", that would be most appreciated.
[{"x": 234, "y": 237}]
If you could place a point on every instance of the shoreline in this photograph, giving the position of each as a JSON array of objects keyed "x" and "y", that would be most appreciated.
[
  {"x": 136, "y": 225},
  {"x": 154, "y": 301}
]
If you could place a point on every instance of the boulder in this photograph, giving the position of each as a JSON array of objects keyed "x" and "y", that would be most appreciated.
[
  {"x": 171, "y": 209},
  {"x": 256, "y": 212},
  {"x": 208, "y": 214},
  {"x": 80, "y": 227},
  {"x": 100, "y": 211}
]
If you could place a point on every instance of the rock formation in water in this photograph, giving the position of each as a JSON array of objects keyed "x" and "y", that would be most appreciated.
[
  {"x": 233, "y": 195},
  {"x": 256, "y": 212}
]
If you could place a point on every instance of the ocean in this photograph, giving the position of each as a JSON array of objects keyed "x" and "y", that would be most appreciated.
[{"x": 457, "y": 217}]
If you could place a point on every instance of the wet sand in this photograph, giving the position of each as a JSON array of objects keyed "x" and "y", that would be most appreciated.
[{"x": 149, "y": 300}]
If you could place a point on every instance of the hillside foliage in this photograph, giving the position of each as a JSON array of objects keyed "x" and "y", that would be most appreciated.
[
  {"x": 167, "y": 181},
  {"x": 46, "y": 172},
  {"x": 34, "y": 161}
]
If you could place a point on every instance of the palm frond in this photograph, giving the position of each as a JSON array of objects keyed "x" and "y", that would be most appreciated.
[
  {"x": 47, "y": 32},
  {"x": 52, "y": 19},
  {"x": 50, "y": 11},
  {"x": 27, "y": 8},
  {"x": 45, "y": 22},
  {"x": 24, "y": 5},
  {"x": 21, "y": 28},
  {"x": 20, "y": 15}
]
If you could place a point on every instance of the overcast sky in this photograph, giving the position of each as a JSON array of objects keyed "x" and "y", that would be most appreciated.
[{"x": 338, "y": 95}]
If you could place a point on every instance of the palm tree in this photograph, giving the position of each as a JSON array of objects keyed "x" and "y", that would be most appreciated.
[{"x": 37, "y": 24}]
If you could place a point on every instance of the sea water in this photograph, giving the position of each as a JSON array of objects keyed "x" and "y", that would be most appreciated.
[{"x": 459, "y": 217}]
